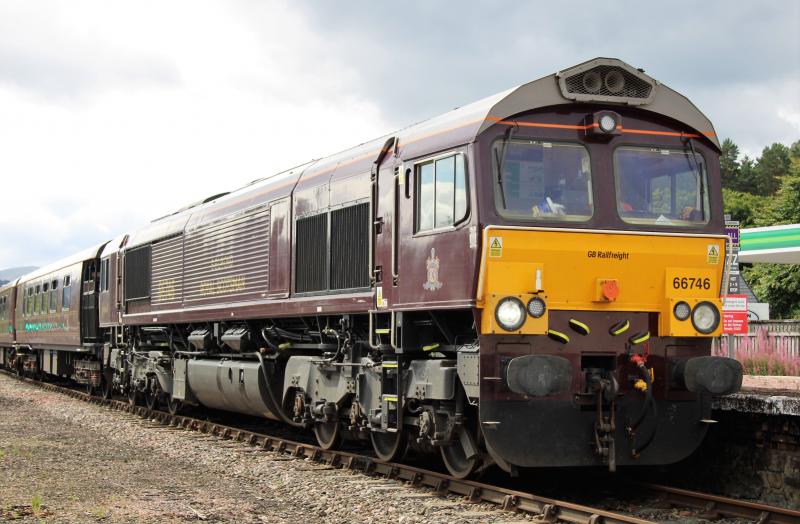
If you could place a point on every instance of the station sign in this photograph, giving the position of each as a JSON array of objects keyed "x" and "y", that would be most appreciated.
[
  {"x": 734, "y": 314},
  {"x": 732, "y": 230}
]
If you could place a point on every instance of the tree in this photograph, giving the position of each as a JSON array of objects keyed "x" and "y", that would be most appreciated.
[
  {"x": 747, "y": 208},
  {"x": 770, "y": 168},
  {"x": 729, "y": 163},
  {"x": 779, "y": 284},
  {"x": 747, "y": 180},
  {"x": 794, "y": 150},
  {"x": 785, "y": 208}
]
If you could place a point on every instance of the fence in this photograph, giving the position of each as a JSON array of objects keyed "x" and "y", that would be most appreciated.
[{"x": 768, "y": 342}]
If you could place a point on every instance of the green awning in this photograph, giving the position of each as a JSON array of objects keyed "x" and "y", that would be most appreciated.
[{"x": 776, "y": 244}]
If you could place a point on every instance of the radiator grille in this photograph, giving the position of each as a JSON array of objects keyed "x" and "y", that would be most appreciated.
[
  {"x": 137, "y": 273},
  {"x": 350, "y": 247},
  {"x": 311, "y": 263},
  {"x": 167, "y": 269},
  {"x": 606, "y": 80},
  {"x": 228, "y": 259}
]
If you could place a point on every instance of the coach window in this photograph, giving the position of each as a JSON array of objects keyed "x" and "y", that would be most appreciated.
[
  {"x": 45, "y": 297},
  {"x": 65, "y": 293},
  {"x": 31, "y": 301},
  {"x": 104, "y": 275},
  {"x": 442, "y": 192},
  {"x": 53, "y": 295},
  {"x": 37, "y": 307}
]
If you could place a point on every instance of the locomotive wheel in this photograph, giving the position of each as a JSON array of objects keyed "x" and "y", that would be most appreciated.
[
  {"x": 456, "y": 461},
  {"x": 106, "y": 388},
  {"x": 328, "y": 434},
  {"x": 174, "y": 405},
  {"x": 151, "y": 400},
  {"x": 389, "y": 447},
  {"x": 133, "y": 396}
]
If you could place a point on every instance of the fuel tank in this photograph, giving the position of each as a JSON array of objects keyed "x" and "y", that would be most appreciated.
[{"x": 230, "y": 385}]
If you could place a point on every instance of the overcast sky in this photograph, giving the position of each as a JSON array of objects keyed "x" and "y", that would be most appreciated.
[{"x": 115, "y": 113}]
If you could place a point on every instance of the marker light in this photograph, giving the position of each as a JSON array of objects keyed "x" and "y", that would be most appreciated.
[
  {"x": 607, "y": 123},
  {"x": 510, "y": 313},
  {"x": 705, "y": 317},
  {"x": 536, "y": 307},
  {"x": 682, "y": 310}
]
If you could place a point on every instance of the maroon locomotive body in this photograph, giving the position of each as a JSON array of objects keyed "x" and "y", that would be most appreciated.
[{"x": 492, "y": 284}]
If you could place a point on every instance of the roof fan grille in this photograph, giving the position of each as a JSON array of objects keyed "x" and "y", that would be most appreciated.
[{"x": 605, "y": 80}]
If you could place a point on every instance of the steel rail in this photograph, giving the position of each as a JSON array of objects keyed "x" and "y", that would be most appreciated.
[
  {"x": 546, "y": 509},
  {"x": 715, "y": 506}
]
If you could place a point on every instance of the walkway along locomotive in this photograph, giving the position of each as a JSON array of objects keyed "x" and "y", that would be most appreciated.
[{"x": 530, "y": 280}]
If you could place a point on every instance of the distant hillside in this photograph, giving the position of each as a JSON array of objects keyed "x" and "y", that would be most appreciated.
[
  {"x": 3, "y": 282},
  {"x": 14, "y": 272}
]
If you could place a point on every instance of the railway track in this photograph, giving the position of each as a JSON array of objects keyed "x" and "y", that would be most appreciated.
[{"x": 546, "y": 509}]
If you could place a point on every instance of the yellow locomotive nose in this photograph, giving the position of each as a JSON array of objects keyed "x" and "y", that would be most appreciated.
[{"x": 577, "y": 270}]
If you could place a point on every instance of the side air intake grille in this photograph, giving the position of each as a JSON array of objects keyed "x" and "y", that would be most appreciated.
[
  {"x": 607, "y": 80},
  {"x": 137, "y": 273},
  {"x": 350, "y": 247},
  {"x": 311, "y": 262}
]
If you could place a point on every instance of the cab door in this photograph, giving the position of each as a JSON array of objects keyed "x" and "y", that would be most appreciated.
[
  {"x": 385, "y": 222},
  {"x": 436, "y": 236}
]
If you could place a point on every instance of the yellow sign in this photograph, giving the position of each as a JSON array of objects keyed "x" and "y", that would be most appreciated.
[
  {"x": 495, "y": 247},
  {"x": 712, "y": 254}
]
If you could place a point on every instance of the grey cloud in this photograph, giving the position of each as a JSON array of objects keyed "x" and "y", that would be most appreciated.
[{"x": 419, "y": 57}]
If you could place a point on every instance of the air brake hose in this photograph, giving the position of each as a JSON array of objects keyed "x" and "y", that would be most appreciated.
[
  {"x": 649, "y": 400},
  {"x": 278, "y": 406},
  {"x": 648, "y": 394}
]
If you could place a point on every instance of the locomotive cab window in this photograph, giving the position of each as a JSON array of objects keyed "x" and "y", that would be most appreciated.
[
  {"x": 661, "y": 187},
  {"x": 441, "y": 192},
  {"x": 543, "y": 181}
]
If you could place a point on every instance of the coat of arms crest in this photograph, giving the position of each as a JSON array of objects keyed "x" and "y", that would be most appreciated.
[{"x": 432, "y": 263}]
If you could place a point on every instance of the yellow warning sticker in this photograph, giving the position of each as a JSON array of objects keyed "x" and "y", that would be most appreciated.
[
  {"x": 712, "y": 254},
  {"x": 495, "y": 246}
]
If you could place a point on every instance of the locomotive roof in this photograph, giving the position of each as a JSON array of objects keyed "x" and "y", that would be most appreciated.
[{"x": 457, "y": 127}]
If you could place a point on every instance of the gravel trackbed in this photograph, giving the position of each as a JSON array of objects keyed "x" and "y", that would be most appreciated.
[{"x": 63, "y": 460}]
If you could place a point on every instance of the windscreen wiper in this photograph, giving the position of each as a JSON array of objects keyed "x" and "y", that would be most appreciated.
[
  {"x": 699, "y": 177},
  {"x": 499, "y": 158}
]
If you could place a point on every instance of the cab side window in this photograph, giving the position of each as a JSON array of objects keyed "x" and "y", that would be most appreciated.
[{"x": 441, "y": 192}]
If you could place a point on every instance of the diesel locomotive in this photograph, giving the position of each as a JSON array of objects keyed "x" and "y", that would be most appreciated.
[{"x": 530, "y": 280}]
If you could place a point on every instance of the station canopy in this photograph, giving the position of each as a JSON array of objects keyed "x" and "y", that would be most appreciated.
[{"x": 774, "y": 245}]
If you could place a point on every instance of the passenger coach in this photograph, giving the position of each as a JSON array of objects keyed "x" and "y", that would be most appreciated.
[{"x": 531, "y": 280}]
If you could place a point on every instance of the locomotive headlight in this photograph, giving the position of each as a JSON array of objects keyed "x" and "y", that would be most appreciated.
[
  {"x": 705, "y": 317},
  {"x": 510, "y": 313},
  {"x": 607, "y": 123},
  {"x": 682, "y": 310},
  {"x": 536, "y": 307}
]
